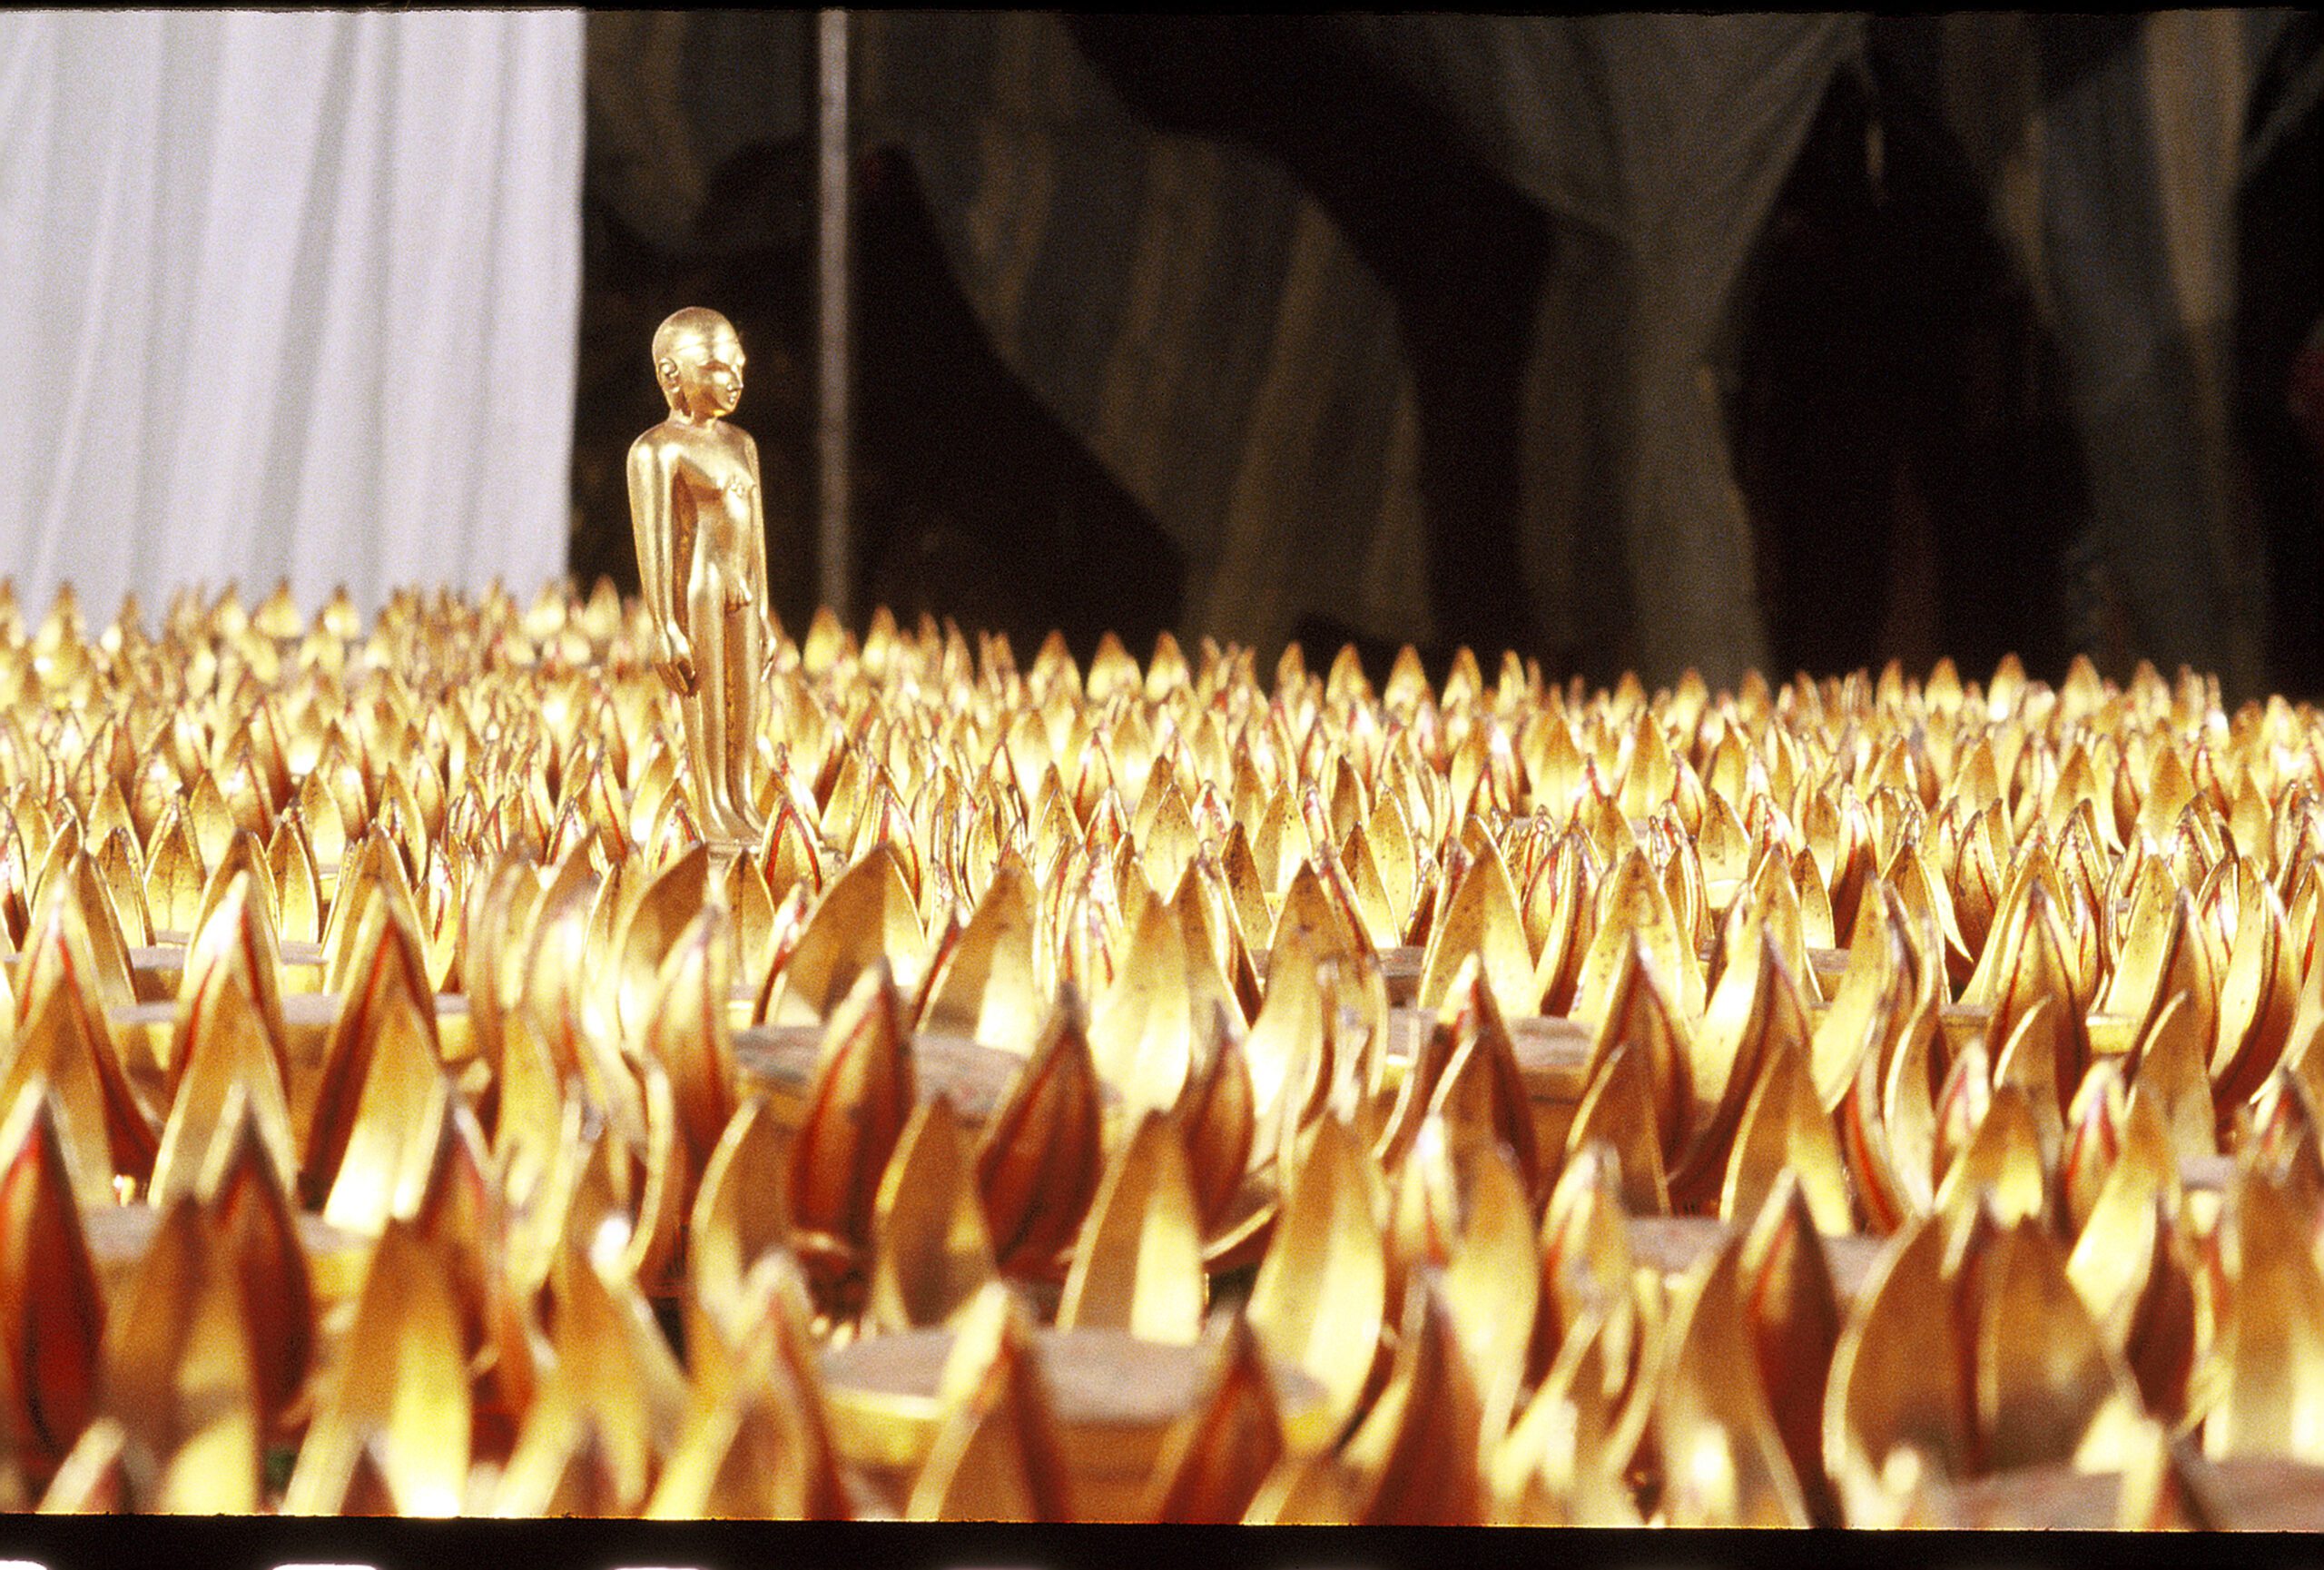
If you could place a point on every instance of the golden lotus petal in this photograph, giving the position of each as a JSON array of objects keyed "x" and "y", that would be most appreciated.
[
  {"x": 2270, "y": 1350},
  {"x": 458, "y": 1209},
  {"x": 1724, "y": 1459},
  {"x": 867, "y": 913},
  {"x": 788, "y": 853},
  {"x": 1793, "y": 1316},
  {"x": 1164, "y": 829},
  {"x": 613, "y": 1363},
  {"x": 1818, "y": 921},
  {"x": 233, "y": 954},
  {"x": 687, "y": 1031},
  {"x": 2168, "y": 790},
  {"x": 49, "y": 1284},
  {"x": 1894, "y": 1378},
  {"x": 1246, "y": 899},
  {"x": 1141, "y": 1029},
  {"x": 70, "y": 931},
  {"x": 1280, "y": 845},
  {"x": 1389, "y": 833},
  {"x": 2163, "y": 1325},
  {"x": 1417, "y": 1455},
  {"x": 1786, "y": 1136},
  {"x": 316, "y": 807},
  {"x": 67, "y": 1043},
  {"x": 768, "y": 1379},
  {"x": 2115, "y": 1242},
  {"x": 1289, "y": 1047},
  {"x": 1213, "y": 1460},
  {"x": 2161, "y": 1489},
  {"x": 1581, "y": 1431},
  {"x": 77, "y": 883},
  {"x": 1368, "y": 889},
  {"x": 1909, "y": 1112},
  {"x": 1480, "y": 917},
  {"x": 2164, "y": 956},
  {"x": 251, "y": 1215},
  {"x": 1319, "y": 1301},
  {"x": 211, "y": 818},
  {"x": 1756, "y": 996},
  {"x": 1641, "y": 1015},
  {"x": 1870, "y": 1007},
  {"x": 1770, "y": 908},
  {"x": 1041, "y": 1158},
  {"x": 1325, "y": 920},
  {"x": 996, "y": 1455},
  {"x": 1977, "y": 872},
  {"x": 244, "y": 858},
  {"x": 741, "y": 1212},
  {"x": 2304, "y": 1041},
  {"x": 986, "y": 985},
  {"x": 2169, "y": 1067},
  {"x": 2281, "y": 1140},
  {"x": 1559, "y": 915},
  {"x": 864, "y": 1091},
  {"x": 2000, "y": 1166},
  {"x": 2258, "y": 992},
  {"x": 1138, "y": 1264},
  {"x": 177, "y": 1371},
  {"x": 388, "y": 993},
  {"x": 1481, "y": 1097},
  {"x": 390, "y": 1142},
  {"x": 298, "y": 891},
  {"x": 783, "y": 937},
  {"x": 651, "y": 929},
  {"x": 1585, "y": 1250},
  {"x": 1218, "y": 1115},
  {"x": 397, "y": 1394},
  {"x": 227, "y": 1060},
  {"x": 1491, "y": 1285},
  {"x": 2033, "y": 976},
  {"x": 123, "y": 870},
  {"x": 562, "y": 1466},
  {"x": 2028, "y": 1058},
  {"x": 931, "y": 1253},
  {"x": 376, "y": 881},
  {"x": 94, "y": 1478},
  {"x": 2094, "y": 1141},
  {"x": 1618, "y": 1111},
  {"x": 1635, "y": 913},
  {"x": 2049, "y": 1388},
  {"x": 1423, "y": 1209}
]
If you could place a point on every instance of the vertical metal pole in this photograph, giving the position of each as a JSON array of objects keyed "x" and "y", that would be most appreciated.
[{"x": 835, "y": 552}]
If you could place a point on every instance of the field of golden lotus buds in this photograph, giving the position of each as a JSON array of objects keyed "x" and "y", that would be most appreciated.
[{"x": 1154, "y": 1091}]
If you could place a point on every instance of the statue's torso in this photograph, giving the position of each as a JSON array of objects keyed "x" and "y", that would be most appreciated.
[{"x": 713, "y": 513}]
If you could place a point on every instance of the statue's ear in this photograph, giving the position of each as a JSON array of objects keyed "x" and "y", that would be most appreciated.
[{"x": 667, "y": 369}]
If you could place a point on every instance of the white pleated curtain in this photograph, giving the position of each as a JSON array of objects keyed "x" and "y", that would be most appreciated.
[{"x": 286, "y": 296}]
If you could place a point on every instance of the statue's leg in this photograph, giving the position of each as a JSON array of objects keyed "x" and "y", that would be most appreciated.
[
  {"x": 701, "y": 776},
  {"x": 712, "y": 695},
  {"x": 743, "y": 656}
]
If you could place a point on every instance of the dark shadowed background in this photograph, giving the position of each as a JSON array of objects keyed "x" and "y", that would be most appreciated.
[{"x": 1623, "y": 341}]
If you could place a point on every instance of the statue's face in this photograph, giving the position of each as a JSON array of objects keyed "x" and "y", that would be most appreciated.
[{"x": 702, "y": 376}]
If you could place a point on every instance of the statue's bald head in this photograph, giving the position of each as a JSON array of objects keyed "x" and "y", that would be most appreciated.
[
  {"x": 694, "y": 324},
  {"x": 698, "y": 360}
]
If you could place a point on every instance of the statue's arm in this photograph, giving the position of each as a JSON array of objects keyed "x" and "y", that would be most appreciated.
[
  {"x": 757, "y": 532},
  {"x": 650, "y": 522}
]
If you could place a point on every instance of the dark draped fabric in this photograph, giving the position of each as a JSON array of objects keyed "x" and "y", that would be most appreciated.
[{"x": 1435, "y": 328}]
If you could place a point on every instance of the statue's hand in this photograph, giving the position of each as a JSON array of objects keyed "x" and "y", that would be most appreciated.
[{"x": 676, "y": 664}]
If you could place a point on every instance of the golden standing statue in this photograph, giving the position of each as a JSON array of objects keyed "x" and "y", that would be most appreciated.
[{"x": 694, "y": 502}]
